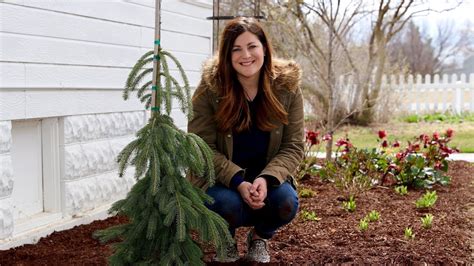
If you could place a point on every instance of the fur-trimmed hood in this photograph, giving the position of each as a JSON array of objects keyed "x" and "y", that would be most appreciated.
[{"x": 286, "y": 74}]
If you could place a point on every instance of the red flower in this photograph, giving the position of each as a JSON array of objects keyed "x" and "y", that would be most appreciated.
[
  {"x": 341, "y": 142},
  {"x": 385, "y": 144},
  {"x": 413, "y": 147},
  {"x": 312, "y": 137},
  {"x": 400, "y": 155},
  {"x": 327, "y": 137},
  {"x": 382, "y": 134},
  {"x": 425, "y": 138},
  {"x": 435, "y": 136},
  {"x": 448, "y": 150},
  {"x": 347, "y": 148},
  {"x": 449, "y": 132},
  {"x": 396, "y": 144}
]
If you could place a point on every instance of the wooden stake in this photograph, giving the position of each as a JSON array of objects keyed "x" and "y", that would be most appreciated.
[{"x": 156, "y": 90}]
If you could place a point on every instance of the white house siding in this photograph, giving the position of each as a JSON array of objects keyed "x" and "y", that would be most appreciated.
[
  {"x": 64, "y": 63},
  {"x": 6, "y": 180},
  {"x": 91, "y": 145}
]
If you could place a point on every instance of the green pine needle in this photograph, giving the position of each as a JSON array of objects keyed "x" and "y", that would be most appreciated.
[{"x": 163, "y": 207}]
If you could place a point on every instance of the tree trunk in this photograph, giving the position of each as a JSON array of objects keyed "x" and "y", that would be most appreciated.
[{"x": 368, "y": 113}]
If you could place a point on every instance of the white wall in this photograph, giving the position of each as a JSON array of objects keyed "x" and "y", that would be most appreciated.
[
  {"x": 6, "y": 180},
  {"x": 64, "y": 63},
  {"x": 73, "y": 56},
  {"x": 90, "y": 147}
]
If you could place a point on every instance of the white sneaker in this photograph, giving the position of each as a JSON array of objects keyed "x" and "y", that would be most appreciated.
[{"x": 257, "y": 249}]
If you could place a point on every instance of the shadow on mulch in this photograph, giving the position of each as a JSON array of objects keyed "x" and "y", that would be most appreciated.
[{"x": 333, "y": 239}]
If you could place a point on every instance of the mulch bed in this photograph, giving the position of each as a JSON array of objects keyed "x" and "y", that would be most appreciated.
[{"x": 334, "y": 239}]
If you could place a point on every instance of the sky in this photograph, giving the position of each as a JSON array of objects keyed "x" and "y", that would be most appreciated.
[{"x": 458, "y": 16}]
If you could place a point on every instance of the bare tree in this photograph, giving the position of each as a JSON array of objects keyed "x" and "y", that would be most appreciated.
[
  {"x": 323, "y": 36},
  {"x": 451, "y": 42},
  {"x": 413, "y": 49},
  {"x": 424, "y": 54},
  {"x": 317, "y": 44},
  {"x": 387, "y": 19}
]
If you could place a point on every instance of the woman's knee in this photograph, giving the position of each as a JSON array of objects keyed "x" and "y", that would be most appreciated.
[
  {"x": 287, "y": 209},
  {"x": 285, "y": 202}
]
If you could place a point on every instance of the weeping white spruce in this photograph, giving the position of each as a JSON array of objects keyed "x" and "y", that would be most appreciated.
[{"x": 163, "y": 207}]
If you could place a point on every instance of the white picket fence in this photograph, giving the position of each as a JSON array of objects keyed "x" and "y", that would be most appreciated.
[
  {"x": 432, "y": 94},
  {"x": 417, "y": 94}
]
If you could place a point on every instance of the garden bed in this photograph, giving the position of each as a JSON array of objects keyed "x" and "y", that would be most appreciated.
[{"x": 335, "y": 238}]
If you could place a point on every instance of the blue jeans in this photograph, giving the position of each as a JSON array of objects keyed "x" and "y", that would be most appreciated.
[{"x": 280, "y": 208}]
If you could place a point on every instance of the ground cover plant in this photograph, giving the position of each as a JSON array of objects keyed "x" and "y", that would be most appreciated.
[{"x": 427, "y": 221}]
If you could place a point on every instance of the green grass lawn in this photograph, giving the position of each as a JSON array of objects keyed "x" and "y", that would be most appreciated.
[{"x": 366, "y": 137}]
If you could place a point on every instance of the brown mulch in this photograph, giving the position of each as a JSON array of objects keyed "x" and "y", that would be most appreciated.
[{"x": 334, "y": 239}]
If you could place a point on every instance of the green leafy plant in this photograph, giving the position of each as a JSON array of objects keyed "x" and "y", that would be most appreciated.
[
  {"x": 363, "y": 225},
  {"x": 309, "y": 216},
  {"x": 408, "y": 233},
  {"x": 349, "y": 205},
  {"x": 373, "y": 216},
  {"x": 402, "y": 190},
  {"x": 423, "y": 163},
  {"x": 355, "y": 170},
  {"x": 306, "y": 193},
  {"x": 165, "y": 211},
  {"x": 427, "y": 200},
  {"x": 427, "y": 221}
]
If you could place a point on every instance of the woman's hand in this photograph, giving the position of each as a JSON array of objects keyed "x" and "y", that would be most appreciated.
[
  {"x": 245, "y": 191},
  {"x": 258, "y": 191}
]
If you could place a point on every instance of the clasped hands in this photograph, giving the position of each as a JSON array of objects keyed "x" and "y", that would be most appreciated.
[{"x": 254, "y": 193}]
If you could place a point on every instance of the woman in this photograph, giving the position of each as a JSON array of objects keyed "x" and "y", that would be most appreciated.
[{"x": 249, "y": 108}]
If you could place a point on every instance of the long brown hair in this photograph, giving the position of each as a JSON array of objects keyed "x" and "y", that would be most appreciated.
[{"x": 233, "y": 112}]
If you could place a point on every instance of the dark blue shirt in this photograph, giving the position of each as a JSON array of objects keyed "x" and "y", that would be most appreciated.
[{"x": 250, "y": 149}]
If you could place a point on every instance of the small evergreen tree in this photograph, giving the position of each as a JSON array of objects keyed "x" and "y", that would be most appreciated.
[{"x": 163, "y": 207}]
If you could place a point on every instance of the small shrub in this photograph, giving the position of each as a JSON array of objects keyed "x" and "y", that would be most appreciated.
[
  {"x": 427, "y": 221},
  {"x": 309, "y": 216},
  {"x": 363, "y": 225},
  {"x": 350, "y": 205},
  {"x": 306, "y": 193},
  {"x": 355, "y": 170},
  {"x": 408, "y": 233},
  {"x": 427, "y": 200},
  {"x": 402, "y": 190},
  {"x": 373, "y": 216},
  {"x": 423, "y": 163}
]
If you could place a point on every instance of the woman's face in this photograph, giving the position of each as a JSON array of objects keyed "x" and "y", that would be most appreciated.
[{"x": 247, "y": 55}]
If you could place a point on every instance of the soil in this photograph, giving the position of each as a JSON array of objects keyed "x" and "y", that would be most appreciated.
[{"x": 334, "y": 239}]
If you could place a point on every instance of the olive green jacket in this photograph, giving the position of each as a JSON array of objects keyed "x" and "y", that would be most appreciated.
[{"x": 286, "y": 145}]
